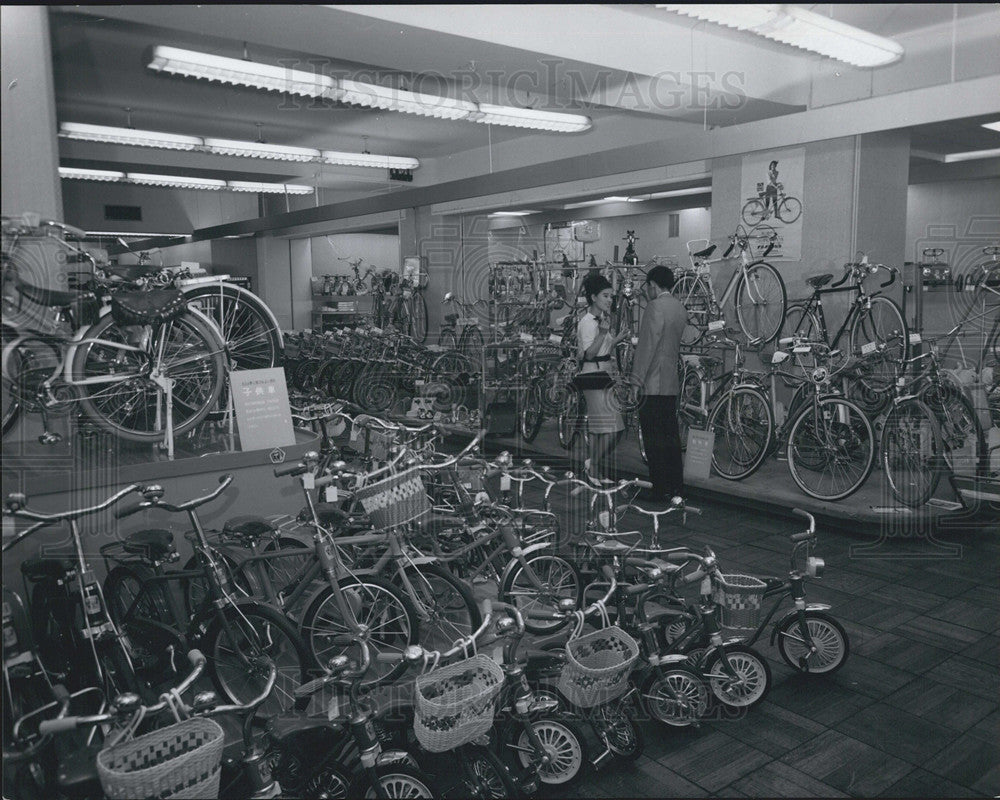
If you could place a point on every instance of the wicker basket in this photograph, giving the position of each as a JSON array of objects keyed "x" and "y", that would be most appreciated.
[
  {"x": 739, "y": 598},
  {"x": 396, "y": 500},
  {"x": 597, "y": 666},
  {"x": 455, "y": 704},
  {"x": 180, "y": 761}
]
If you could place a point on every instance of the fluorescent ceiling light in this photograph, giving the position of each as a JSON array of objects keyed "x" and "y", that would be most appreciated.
[
  {"x": 993, "y": 126},
  {"x": 269, "y": 188},
  {"x": 800, "y": 28},
  {"x": 239, "y": 72},
  {"x": 512, "y": 213},
  {"x": 369, "y": 160},
  {"x": 134, "y": 234},
  {"x": 971, "y": 155},
  {"x": 130, "y": 136},
  {"x": 277, "y": 152},
  {"x": 176, "y": 181},
  {"x": 90, "y": 174},
  {"x": 614, "y": 199},
  {"x": 680, "y": 192}
]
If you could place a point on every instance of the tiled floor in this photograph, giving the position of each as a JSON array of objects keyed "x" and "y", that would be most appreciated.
[{"x": 914, "y": 711}]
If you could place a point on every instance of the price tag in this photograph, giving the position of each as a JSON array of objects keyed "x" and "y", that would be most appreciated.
[
  {"x": 332, "y": 494},
  {"x": 915, "y": 338},
  {"x": 505, "y": 483},
  {"x": 635, "y": 340},
  {"x": 333, "y": 710},
  {"x": 869, "y": 347},
  {"x": 716, "y": 324},
  {"x": 419, "y": 382},
  {"x": 308, "y": 481},
  {"x": 802, "y": 348},
  {"x": 354, "y": 432},
  {"x": 555, "y": 337},
  {"x": 526, "y": 337}
]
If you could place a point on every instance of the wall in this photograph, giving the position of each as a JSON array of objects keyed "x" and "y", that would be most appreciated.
[{"x": 274, "y": 264}]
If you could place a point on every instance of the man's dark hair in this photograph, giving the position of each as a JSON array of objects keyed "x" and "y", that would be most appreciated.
[{"x": 662, "y": 276}]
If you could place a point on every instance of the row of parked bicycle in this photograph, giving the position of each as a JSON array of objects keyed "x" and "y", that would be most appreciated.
[{"x": 308, "y": 624}]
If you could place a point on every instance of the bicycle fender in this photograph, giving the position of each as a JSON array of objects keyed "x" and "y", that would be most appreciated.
[
  {"x": 725, "y": 643},
  {"x": 202, "y": 619},
  {"x": 514, "y": 563},
  {"x": 792, "y": 612}
]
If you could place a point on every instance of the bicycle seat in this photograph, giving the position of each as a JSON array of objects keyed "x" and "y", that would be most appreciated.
[
  {"x": 819, "y": 281},
  {"x": 38, "y": 568},
  {"x": 434, "y": 524},
  {"x": 705, "y": 253},
  {"x": 152, "y": 544},
  {"x": 328, "y": 514},
  {"x": 249, "y": 528},
  {"x": 451, "y": 317},
  {"x": 53, "y": 298},
  {"x": 147, "y": 308}
]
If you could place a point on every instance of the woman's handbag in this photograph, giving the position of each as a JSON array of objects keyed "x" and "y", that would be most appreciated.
[{"x": 590, "y": 381}]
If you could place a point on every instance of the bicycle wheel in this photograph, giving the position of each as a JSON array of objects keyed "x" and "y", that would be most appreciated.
[
  {"x": 760, "y": 302},
  {"x": 693, "y": 292},
  {"x": 616, "y": 722},
  {"x": 471, "y": 343},
  {"x": 563, "y": 741},
  {"x": 132, "y": 406},
  {"x": 392, "y": 620},
  {"x": 375, "y": 388},
  {"x": 247, "y": 326},
  {"x": 754, "y": 211},
  {"x": 446, "y": 606},
  {"x": 828, "y": 636},
  {"x": 146, "y": 644},
  {"x": 752, "y": 681},
  {"x": 447, "y": 340},
  {"x": 744, "y": 426},
  {"x": 831, "y": 448},
  {"x": 569, "y": 419},
  {"x": 688, "y": 401},
  {"x": 11, "y": 404},
  {"x": 881, "y": 324},
  {"x": 802, "y": 321},
  {"x": 788, "y": 210},
  {"x": 642, "y": 444},
  {"x": 418, "y": 317},
  {"x": 675, "y": 695},
  {"x": 490, "y": 777},
  {"x": 239, "y": 658},
  {"x": 531, "y": 413},
  {"x": 394, "y": 780},
  {"x": 560, "y": 579},
  {"x": 196, "y": 589},
  {"x": 958, "y": 421},
  {"x": 910, "y": 450}
]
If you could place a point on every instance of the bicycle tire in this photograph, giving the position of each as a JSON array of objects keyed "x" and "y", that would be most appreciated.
[
  {"x": 562, "y": 738},
  {"x": 829, "y": 637},
  {"x": 800, "y": 320},
  {"x": 532, "y": 414},
  {"x": 754, "y": 211},
  {"x": 617, "y": 723},
  {"x": 569, "y": 421},
  {"x": 743, "y": 423},
  {"x": 395, "y": 780},
  {"x": 276, "y": 640},
  {"x": 11, "y": 405},
  {"x": 196, "y": 589},
  {"x": 957, "y": 418},
  {"x": 447, "y": 340},
  {"x": 753, "y": 676},
  {"x": 770, "y": 289},
  {"x": 909, "y": 448},
  {"x": 517, "y": 586},
  {"x": 121, "y": 588},
  {"x": 418, "y": 316},
  {"x": 322, "y": 625},
  {"x": 690, "y": 395},
  {"x": 883, "y": 324},
  {"x": 247, "y": 325},
  {"x": 452, "y": 609},
  {"x": 847, "y": 433},
  {"x": 196, "y": 389},
  {"x": 493, "y": 779},
  {"x": 788, "y": 210},
  {"x": 695, "y": 697},
  {"x": 471, "y": 343},
  {"x": 693, "y": 293}
]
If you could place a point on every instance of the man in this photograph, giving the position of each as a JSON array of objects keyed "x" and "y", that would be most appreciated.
[{"x": 656, "y": 372}]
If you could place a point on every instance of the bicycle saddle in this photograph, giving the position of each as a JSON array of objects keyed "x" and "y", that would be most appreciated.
[
  {"x": 39, "y": 568},
  {"x": 250, "y": 528},
  {"x": 451, "y": 317},
  {"x": 819, "y": 281},
  {"x": 152, "y": 544},
  {"x": 706, "y": 252},
  {"x": 147, "y": 308},
  {"x": 433, "y": 524},
  {"x": 328, "y": 514}
]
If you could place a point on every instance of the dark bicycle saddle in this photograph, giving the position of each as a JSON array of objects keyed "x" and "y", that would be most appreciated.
[
  {"x": 819, "y": 281},
  {"x": 434, "y": 524},
  {"x": 147, "y": 308},
  {"x": 328, "y": 514},
  {"x": 250, "y": 528},
  {"x": 38, "y": 568},
  {"x": 705, "y": 253},
  {"x": 152, "y": 544},
  {"x": 451, "y": 317}
]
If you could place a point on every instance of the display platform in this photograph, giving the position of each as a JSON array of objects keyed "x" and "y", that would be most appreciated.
[{"x": 872, "y": 510}]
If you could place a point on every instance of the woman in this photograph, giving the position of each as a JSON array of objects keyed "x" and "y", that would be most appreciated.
[{"x": 595, "y": 348}]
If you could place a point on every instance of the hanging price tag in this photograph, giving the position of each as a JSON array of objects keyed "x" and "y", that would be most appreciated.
[
  {"x": 915, "y": 338},
  {"x": 354, "y": 432},
  {"x": 716, "y": 324},
  {"x": 555, "y": 337},
  {"x": 333, "y": 710},
  {"x": 505, "y": 483},
  {"x": 869, "y": 347},
  {"x": 526, "y": 337},
  {"x": 331, "y": 494},
  {"x": 308, "y": 481}
]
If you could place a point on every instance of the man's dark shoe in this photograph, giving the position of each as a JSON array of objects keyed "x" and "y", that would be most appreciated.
[{"x": 649, "y": 496}]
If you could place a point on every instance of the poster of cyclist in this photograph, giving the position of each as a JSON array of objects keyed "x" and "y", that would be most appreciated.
[{"x": 771, "y": 198}]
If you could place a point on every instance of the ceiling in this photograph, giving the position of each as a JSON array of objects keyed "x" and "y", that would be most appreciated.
[{"x": 598, "y": 60}]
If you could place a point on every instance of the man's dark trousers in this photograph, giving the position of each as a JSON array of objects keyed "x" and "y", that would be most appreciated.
[{"x": 661, "y": 436}]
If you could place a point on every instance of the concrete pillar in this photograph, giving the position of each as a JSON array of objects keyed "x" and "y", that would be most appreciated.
[
  {"x": 442, "y": 243},
  {"x": 28, "y": 111}
]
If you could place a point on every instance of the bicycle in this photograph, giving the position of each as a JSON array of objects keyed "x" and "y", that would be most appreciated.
[
  {"x": 871, "y": 320},
  {"x": 237, "y": 632},
  {"x": 756, "y": 288},
  {"x": 118, "y": 364},
  {"x": 461, "y": 331},
  {"x": 360, "y": 283},
  {"x": 784, "y": 207}
]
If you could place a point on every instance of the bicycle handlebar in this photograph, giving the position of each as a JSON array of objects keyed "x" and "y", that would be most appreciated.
[
  {"x": 154, "y": 495},
  {"x": 893, "y": 274},
  {"x": 415, "y": 653}
]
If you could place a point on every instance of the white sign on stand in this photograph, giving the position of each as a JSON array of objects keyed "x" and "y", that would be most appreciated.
[
  {"x": 698, "y": 456},
  {"x": 263, "y": 415}
]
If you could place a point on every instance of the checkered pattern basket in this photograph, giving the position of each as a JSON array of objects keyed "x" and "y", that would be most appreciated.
[
  {"x": 396, "y": 500},
  {"x": 597, "y": 666},
  {"x": 180, "y": 761},
  {"x": 739, "y": 598},
  {"x": 456, "y": 703}
]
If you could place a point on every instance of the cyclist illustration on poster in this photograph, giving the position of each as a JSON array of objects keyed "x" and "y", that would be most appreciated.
[{"x": 771, "y": 198}]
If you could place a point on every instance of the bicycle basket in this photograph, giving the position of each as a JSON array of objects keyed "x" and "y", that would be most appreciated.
[
  {"x": 597, "y": 666},
  {"x": 396, "y": 500},
  {"x": 455, "y": 704},
  {"x": 739, "y": 598},
  {"x": 180, "y": 761}
]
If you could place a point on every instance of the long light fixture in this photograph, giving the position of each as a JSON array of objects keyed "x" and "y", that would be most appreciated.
[
  {"x": 952, "y": 158},
  {"x": 993, "y": 126},
  {"x": 182, "y": 182},
  {"x": 239, "y": 72},
  {"x": 800, "y": 28},
  {"x": 231, "y": 147}
]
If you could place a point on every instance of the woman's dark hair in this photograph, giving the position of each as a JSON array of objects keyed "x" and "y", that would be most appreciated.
[{"x": 593, "y": 285}]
